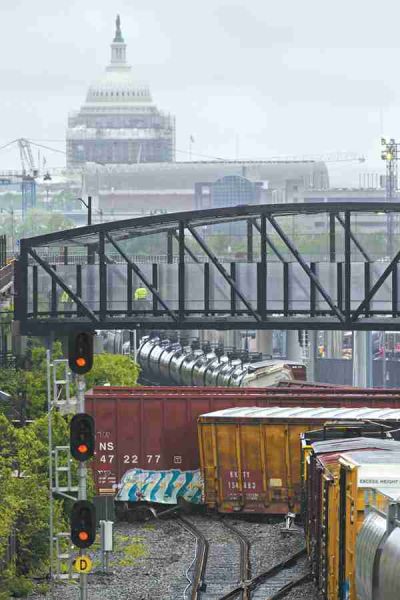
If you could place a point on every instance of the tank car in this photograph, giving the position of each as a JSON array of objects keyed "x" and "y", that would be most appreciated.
[{"x": 169, "y": 362}]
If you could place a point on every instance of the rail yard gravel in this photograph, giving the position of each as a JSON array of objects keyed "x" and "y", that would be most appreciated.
[{"x": 150, "y": 560}]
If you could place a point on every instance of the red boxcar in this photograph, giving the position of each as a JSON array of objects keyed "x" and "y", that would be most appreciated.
[{"x": 156, "y": 428}]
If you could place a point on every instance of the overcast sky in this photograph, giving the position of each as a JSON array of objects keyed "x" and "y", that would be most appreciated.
[{"x": 254, "y": 78}]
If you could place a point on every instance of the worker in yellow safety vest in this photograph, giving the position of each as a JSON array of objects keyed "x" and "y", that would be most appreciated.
[
  {"x": 66, "y": 298},
  {"x": 140, "y": 298},
  {"x": 141, "y": 293}
]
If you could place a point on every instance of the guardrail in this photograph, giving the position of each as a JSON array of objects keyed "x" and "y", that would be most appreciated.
[{"x": 6, "y": 276}]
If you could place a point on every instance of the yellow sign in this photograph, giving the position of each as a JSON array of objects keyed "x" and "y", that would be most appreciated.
[{"x": 83, "y": 564}]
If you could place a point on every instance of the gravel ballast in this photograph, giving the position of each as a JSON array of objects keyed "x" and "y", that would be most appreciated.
[{"x": 150, "y": 560}]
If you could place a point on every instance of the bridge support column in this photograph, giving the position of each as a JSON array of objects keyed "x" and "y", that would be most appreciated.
[
  {"x": 233, "y": 339},
  {"x": 293, "y": 348},
  {"x": 264, "y": 341},
  {"x": 362, "y": 363},
  {"x": 312, "y": 355},
  {"x": 334, "y": 344}
]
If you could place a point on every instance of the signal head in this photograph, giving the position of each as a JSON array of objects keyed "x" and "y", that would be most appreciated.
[
  {"x": 80, "y": 352},
  {"x": 83, "y": 524},
  {"x": 82, "y": 437}
]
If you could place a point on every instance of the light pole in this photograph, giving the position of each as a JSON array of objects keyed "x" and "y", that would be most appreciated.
[
  {"x": 88, "y": 205},
  {"x": 390, "y": 154}
]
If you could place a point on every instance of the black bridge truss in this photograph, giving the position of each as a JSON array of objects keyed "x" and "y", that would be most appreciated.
[{"x": 44, "y": 273}]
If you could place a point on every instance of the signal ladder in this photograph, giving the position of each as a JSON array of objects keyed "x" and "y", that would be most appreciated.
[{"x": 60, "y": 468}]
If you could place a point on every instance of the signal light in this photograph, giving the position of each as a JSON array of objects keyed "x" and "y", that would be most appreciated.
[
  {"x": 82, "y": 437},
  {"x": 83, "y": 524},
  {"x": 80, "y": 352}
]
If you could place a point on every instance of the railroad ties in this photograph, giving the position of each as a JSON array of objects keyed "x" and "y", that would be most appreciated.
[
  {"x": 221, "y": 558},
  {"x": 281, "y": 578},
  {"x": 220, "y": 569}
]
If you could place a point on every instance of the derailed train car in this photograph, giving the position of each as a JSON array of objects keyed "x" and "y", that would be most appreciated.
[
  {"x": 155, "y": 428},
  {"x": 167, "y": 362},
  {"x": 250, "y": 457}
]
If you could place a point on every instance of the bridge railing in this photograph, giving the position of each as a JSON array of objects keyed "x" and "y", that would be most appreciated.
[{"x": 201, "y": 287}]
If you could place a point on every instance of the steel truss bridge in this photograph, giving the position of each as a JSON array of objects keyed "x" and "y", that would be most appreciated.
[{"x": 270, "y": 284}]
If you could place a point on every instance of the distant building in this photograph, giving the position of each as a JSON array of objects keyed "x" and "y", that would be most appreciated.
[
  {"x": 138, "y": 189},
  {"x": 119, "y": 122},
  {"x": 230, "y": 190},
  {"x": 345, "y": 195}
]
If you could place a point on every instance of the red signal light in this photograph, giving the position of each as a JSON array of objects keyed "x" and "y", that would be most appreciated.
[
  {"x": 80, "y": 352},
  {"x": 83, "y": 524},
  {"x": 82, "y": 437}
]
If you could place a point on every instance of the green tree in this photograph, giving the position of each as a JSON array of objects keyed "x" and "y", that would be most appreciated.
[
  {"x": 24, "y": 505},
  {"x": 27, "y": 384},
  {"x": 24, "y": 484},
  {"x": 114, "y": 369},
  {"x": 37, "y": 221}
]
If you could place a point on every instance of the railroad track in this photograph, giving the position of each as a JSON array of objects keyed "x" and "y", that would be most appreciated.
[
  {"x": 221, "y": 559},
  {"x": 221, "y": 568},
  {"x": 276, "y": 581}
]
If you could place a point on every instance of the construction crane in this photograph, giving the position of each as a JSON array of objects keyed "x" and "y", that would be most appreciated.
[{"x": 26, "y": 177}]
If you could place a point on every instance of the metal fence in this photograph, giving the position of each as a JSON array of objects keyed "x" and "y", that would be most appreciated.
[
  {"x": 6, "y": 275},
  {"x": 8, "y": 360},
  {"x": 334, "y": 370},
  {"x": 340, "y": 371}
]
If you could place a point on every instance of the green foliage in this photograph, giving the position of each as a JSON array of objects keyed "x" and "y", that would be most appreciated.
[
  {"x": 42, "y": 589},
  {"x": 24, "y": 507},
  {"x": 114, "y": 369},
  {"x": 20, "y": 587},
  {"x": 27, "y": 384},
  {"x": 36, "y": 222},
  {"x": 24, "y": 484},
  {"x": 131, "y": 548}
]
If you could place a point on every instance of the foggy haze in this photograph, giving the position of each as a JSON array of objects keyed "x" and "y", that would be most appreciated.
[{"x": 246, "y": 79}]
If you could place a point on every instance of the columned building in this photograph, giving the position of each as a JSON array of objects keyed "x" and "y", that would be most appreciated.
[{"x": 119, "y": 123}]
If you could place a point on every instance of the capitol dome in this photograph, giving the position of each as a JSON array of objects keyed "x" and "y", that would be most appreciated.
[
  {"x": 118, "y": 122},
  {"x": 118, "y": 85}
]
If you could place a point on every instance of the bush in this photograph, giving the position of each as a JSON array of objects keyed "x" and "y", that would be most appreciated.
[
  {"x": 20, "y": 587},
  {"x": 41, "y": 588}
]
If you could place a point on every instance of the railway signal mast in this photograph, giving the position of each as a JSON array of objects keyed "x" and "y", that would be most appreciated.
[{"x": 82, "y": 440}]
